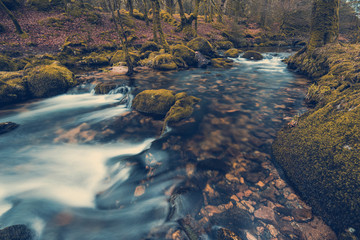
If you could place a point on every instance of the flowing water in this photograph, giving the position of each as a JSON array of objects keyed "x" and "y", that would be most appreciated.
[{"x": 84, "y": 166}]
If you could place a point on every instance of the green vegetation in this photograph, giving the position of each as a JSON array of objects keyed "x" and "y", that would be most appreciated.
[
  {"x": 12, "y": 87},
  {"x": 49, "y": 80},
  {"x": 321, "y": 154},
  {"x": 187, "y": 54},
  {"x": 165, "y": 62},
  {"x": 120, "y": 56},
  {"x": 225, "y": 45},
  {"x": 232, "y": 52},
  {"x": 154, "y": 101},
  {"x": 202, "y": 45},
  {"x": 149, "y": 46}
]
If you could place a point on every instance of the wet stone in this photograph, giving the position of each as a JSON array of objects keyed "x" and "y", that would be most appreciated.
[
  {"x": 234, "y": 219},
  {"x": 226, "y": 234},
  {"x": 302, "y": 215},
  {"x": 7, "y": 127},
  {"x": 265, "y": 214},
  {"x": 16, "y": 232}
]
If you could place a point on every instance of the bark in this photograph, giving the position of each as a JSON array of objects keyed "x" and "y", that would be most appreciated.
[
  {"x": 157, "y": 24},
  {"x": 196, "y": 12},
  {"x": 12, "y": 17},
  {"x": 146, "y": 13},
  {"x": 131, "y": 7},
  {"x": 324, "y": 23},
  {"x": 263, "y": 13}
]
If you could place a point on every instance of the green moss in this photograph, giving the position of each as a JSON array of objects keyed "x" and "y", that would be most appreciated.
[
  {"x": 95, "y": 60},
  {"x": 154, "y": 101},
  {"x": 12, "y": 87},
  {"x": 49, "y": 80},
  {"x": 6, "y": 64},
  {"x": 138, "y": 15},
  {"x": 221, "y": 62},
  {"x": 105, "y": 88},
  {"x": 164, "y": 62},
  {"x": 189, "y": 32},
  {"x": 201, "y": 45},
  {"x": 187, "y": 54},
  {"x": 45, "y": 5},
  {"x": 167, "y": 17},
  {"x": 149, "y": 46},
  {"x": 225, "y": 45},
  {"x": 119, "y": 56},
  {"x": 232, "y": 52},
  {"x": 252, "y": 55}
]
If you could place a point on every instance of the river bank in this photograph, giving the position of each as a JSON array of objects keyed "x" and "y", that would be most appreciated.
[{"x": 319, "y": 151}]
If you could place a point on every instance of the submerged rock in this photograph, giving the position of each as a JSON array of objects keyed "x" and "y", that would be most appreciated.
[
  {"x": 16, "y": 232},
  {"x": 252, "y": 55},
  {"x": 233, "y": 53},
  {"x": 7, "y": 127},
  {"x": 154, "y": 101}
]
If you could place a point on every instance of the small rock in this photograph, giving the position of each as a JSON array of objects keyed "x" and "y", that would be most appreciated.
[
  {"x": 266, "y": 214},
  {"x": 249, "y": 236},
  {"x": 7, "y": 127},
  {"x": 226, "y": 234},
  {"x": 201, "y": 60},
  {"x": 302, "y": 215},
  {"x": 16, "y": 232},
  {"x": 280, "y": 184},
  {"x": 252, "y": 55},
  {"x": 273, "y": 231}
]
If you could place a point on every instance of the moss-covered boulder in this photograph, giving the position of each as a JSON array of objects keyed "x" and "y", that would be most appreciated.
[
  {"x": 184, "y": 52},
  {"x": 6, "y": 64},
  {"x": 320, "y": 151},
  {"x": 12, "y": 87},
  {"x": 232, "y": 52},
  {"x": 202, "y": 45},
  {"x": 156, "y": 102},
  {"x": 224, "y": 45},
  {"x": 119, "y": 56},
  {"x": 221, "y": 62},
  {"x": 167, "y": 17},
  {"x": 105, "y": 87},
  {"x": 182, "y": 108},
  {"x": 164, "y": 62},
  {"x": 252, "y": 55},
  {"x": 49, "y": 80},
  {"x": 95, "y": 60},
  {"x": 149, "y": 46}
]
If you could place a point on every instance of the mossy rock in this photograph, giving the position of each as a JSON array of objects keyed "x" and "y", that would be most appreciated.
[
  {"x": 167, "y": 17},
  {"x": 12, "y": 87},
  {"x": 232, "y": 52},
  {"x": 49, "y": 80},
  {"x": 105, "y": 88},
  {"x": 222, "y": 62},
  {"x": 149, "y": 46},
  {"x": 138, "y": 15},
  {"x": 6, "y": 64},
  {"x": 189, "y": 32},
  {"x": 38, "y": 60},
  {"x": 44, "y": 5},
  {"x": 224, "y": 45},
  {"x": 119, "y": 56},
  {"x": 125, "y": 18},
  {"x": 95, "y": 60},
  {"x": 183, "y": 108},
  {"x": 184, "y": 52},
  {"x": 156, "y": 102},
  {"x": 164, "y": 62},
  {"x": 202, "y": 45},
  {"x": 252, "y": 55}
]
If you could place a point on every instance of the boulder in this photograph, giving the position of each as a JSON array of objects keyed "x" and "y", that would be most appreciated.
[
  {"x": 221, "y": 62},
  {"x": 232, "y": 52},
  {"x": 164, "y": 62},
  {"x": 201, "y": 60},
  {"x": 184, "y": 52},
  {"x": 156, "y": 102},
  {"x": 12, "y": 87},
  {"x": 7, "y": 127},
  {"x": 182, "y": 108},
  {"x": 225, "y": 45},
  {"x": 149, "y": 46},
  {"x": 202, "y": 45},
  {"x": 49, "y": 80},
  {"x": 16, "y": 232},
  {"x": 252, "y": 55},
  {"x": 119, "y": 56}
]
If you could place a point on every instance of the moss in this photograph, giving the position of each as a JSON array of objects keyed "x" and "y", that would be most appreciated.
[
  {"x": 6, "y": 64},
  {"x": 225, "y": 45},
  {"x": 149, "y": 46},
  {"x": 221, "y": 63},
  {"x": 232, "y": 52},
  {"x": 252, "y": 55},
  {"x": 12, "y": 87},
  {"x": 105, "y": 88},
  {"x": 119, "y": 56},
  {"x": 95, "y": 60},
  {"x": 182, "y": 108},
  {"x": 202, "y": 45},
  {"x": 138, "y": 15},
  {"x": 45, "y": 5},
  {"x": 164, "y": 62},
  {"x": 167, "y": 17},
  {"x": 38, "y": 60},
  {"x": 321, "y": 154},
  {"x": 189, "y": 32},
  {"x": 49, "y": 80},
  {"x": 187, "y": 54},
  {"x": 154, "y": 101},
  {"x": 125, "y": 18}
]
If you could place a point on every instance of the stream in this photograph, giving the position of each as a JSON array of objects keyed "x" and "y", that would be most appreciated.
[{"x": 84, "y": 166}]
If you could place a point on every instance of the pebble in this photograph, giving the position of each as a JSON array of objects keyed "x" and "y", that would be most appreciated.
[{"x": 266, "y": 214}]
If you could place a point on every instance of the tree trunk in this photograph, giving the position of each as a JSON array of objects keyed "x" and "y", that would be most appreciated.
[
  {"x": 131, "y": 8},
  {"x": 196, "y": 13},
  {"x": 263, "y": 13},
  {"x": 157, "y": 24},
  {"x": 182, "y": 15},
  {"x": 146, "y": 13},
  {"x": 13, "y": 18},
  {"x": 324, "y": 23}
]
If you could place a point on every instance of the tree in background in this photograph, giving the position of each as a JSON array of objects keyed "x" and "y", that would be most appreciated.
[
  {"x": 12, "y": 17},
  {"x": 157, "y": 25},
  {"x": 324, "y": 23}
]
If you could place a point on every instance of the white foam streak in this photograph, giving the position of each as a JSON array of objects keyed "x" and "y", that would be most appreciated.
[{"x": 70, "y": 174}]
